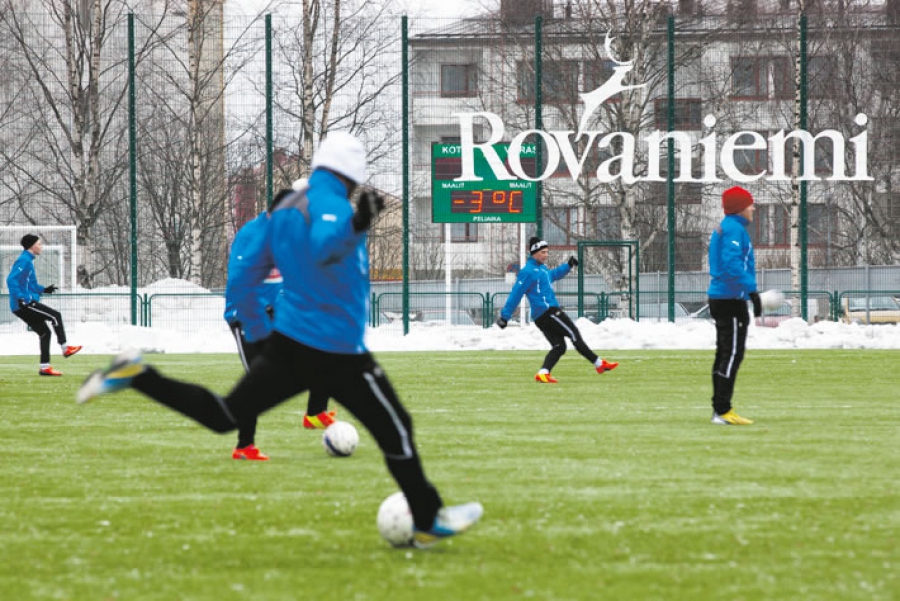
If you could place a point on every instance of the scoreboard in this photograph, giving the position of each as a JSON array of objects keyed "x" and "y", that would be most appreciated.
[{"x": 487, "y": 201}]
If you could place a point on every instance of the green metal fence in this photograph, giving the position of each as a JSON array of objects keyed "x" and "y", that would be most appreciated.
[{"x": 187, "y": 121}]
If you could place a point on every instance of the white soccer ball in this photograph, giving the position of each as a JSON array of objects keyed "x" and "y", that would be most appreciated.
[
  {"x": 395, "y": 522},
  {"x": 771, "y": 299},
  {"x": 340, "y": 439}
]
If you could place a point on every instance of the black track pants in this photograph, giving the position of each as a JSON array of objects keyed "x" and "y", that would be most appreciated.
[
  {"x": 732, "y": 319},
  {"x": 286, "y": 368},
  {"x": 557, "y": 326},
  {"x": 37, "y": 316}
]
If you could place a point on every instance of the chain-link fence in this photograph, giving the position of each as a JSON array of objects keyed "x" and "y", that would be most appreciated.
[{"x": 617, "y": 134}]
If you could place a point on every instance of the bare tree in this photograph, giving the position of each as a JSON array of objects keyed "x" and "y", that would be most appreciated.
[{"x": 339, "y": 69}]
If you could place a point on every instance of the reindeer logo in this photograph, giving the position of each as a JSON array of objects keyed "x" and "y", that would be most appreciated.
[{"x": 611, "y": 87}]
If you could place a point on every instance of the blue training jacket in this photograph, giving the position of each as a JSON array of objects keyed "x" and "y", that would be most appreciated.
[
  {"x": 325, "y": 266},
  {"x": 534, "y": 281},
  {"x": 253, "y": 281},
  {"x": 22, "y": 282},
  {"x": 731, "y": 263}
]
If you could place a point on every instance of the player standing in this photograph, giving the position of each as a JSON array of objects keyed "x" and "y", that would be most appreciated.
[{"x": 732, "y": 268}]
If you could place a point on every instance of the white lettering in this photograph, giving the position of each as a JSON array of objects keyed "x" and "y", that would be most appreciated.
[
  {"x": 560, "y": 144},
  {"x": 468, "y": 146},
  {"x": 727, "y": 157},
  {"x": 515, "y": 155},
  {"x": 626, "y": 168}
]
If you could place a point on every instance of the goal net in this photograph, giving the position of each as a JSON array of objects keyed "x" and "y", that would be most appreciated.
[{"x": 57, "y": 264}]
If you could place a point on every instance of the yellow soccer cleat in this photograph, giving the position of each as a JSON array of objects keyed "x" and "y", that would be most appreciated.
[{"x": 730, "y": 419}]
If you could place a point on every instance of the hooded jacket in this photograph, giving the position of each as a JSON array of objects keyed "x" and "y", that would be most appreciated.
[
  {"x": 325, "y": 266},
  {"x": 535, "y": 281},
  {"x": 732, "y": 266},
  {"x": 253, "y": 282},
  {"x": 22, "y": 282}
]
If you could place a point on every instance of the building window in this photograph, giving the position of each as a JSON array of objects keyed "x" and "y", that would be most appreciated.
[
  {"x": 686, "y": 193},
  {"x": 687, "y": 114},
  {"x": 753, "y": 78},
  {"x": 561, "y": 226},
  {"x": 459, "y": 80},
  {"x": 751, "y": 161},
  {"x": 820, "y": 74},
  {"x": 748, "y": 78},
  {"x": 822, "y": 224},
  {"x": 559, "y": 84},
  {"x": 463, "y": 232},
  {"x": 771, "y": 225},
  {"x": 596, "y": 73},
  {"x": 606, "y": 223}
]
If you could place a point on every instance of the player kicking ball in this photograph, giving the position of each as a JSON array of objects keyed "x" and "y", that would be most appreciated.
[{"x": 535, "y": 281}]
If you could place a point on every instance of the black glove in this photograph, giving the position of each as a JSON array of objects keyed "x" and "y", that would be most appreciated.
[
  {"x": 22, "y": 303},
  {"x": 49, "y": 289},
  {"x": 502, "y": 323},
  {"x": 757, "y": 304},
  {"x": 368, "y": 206},
  {"x": 573, "y": 262}
]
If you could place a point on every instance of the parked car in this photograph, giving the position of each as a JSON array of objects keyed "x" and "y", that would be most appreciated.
[
  {"x": 882, "y": 309},
  {"x": 770, "y": 318},
  {"x": 656, "y": 312},
  {"x": 458, "y": 317}
]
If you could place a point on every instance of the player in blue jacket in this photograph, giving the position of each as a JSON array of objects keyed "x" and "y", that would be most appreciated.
[
  {"x": 25, "y": 303},
  {"x": 318, "y": 244},
  {"x": 535, "y": 281},
  {"x": 732, "y": 269},
  {"x": 250, "y": 297}
]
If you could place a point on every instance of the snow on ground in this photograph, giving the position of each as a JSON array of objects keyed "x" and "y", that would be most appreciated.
[{"x": 186, "y": 324}]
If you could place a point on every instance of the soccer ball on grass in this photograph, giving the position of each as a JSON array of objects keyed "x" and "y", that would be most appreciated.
[
  {"x": 340, "y": 439},
  {"x": 395, "y": 522}
]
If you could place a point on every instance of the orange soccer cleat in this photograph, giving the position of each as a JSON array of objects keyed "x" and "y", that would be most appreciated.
[
  {"x": 49, "y": 371},
  {"x": 250, "y": 453},
  {"x": 320, "y": 421},
  {"x": 606, "y": 366},
  {"x": 70, "y": 350},
  {"x": 545, "y": 378}
]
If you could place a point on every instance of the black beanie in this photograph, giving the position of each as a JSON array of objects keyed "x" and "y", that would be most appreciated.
[
  {"x": 535, "y": 244},
  {"x": 28, "y": 241}
]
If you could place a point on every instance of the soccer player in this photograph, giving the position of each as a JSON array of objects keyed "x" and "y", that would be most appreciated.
[
  {"x": 732, "y": 269},
  {"x": 24, "y": 302},
  {"x": 318, "y": 244},
  {"x": 249, "y": 311},
  {"x": 535, "y": 281}
]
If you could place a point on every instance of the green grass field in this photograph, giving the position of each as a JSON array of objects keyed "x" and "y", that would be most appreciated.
[{"x": 602, "y": 487}]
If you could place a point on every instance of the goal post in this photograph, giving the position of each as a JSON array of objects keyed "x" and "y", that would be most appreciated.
[{"x": 59, "y": 247}]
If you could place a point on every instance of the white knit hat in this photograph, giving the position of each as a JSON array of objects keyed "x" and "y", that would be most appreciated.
[{"x": 342, "y": 153}]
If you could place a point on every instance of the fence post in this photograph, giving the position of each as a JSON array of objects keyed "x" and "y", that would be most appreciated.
[
  {"x": 404, "y": 27},
  {"x": 670, "y": 177},
  {"x": 132, "y": 169}
]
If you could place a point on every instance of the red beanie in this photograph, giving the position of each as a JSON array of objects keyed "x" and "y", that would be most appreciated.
[{"x": 735, "y": 200}]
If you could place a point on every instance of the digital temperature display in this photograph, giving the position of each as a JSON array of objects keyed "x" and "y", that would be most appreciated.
[{"x": 488, "y": 200}]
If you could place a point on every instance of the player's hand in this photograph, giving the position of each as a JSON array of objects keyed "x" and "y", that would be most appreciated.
[
  {"x": 757, "y": 304},
  {"x": 573, "y": 262},
  {"x": 22, "y": 303},
  {"x": 502, "y": 323},
  {"x": 50, "y": 289},
  {"x": 368, "y": 206}
]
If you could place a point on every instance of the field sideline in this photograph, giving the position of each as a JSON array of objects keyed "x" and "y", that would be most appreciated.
[{"x": 602, "y": 487}]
